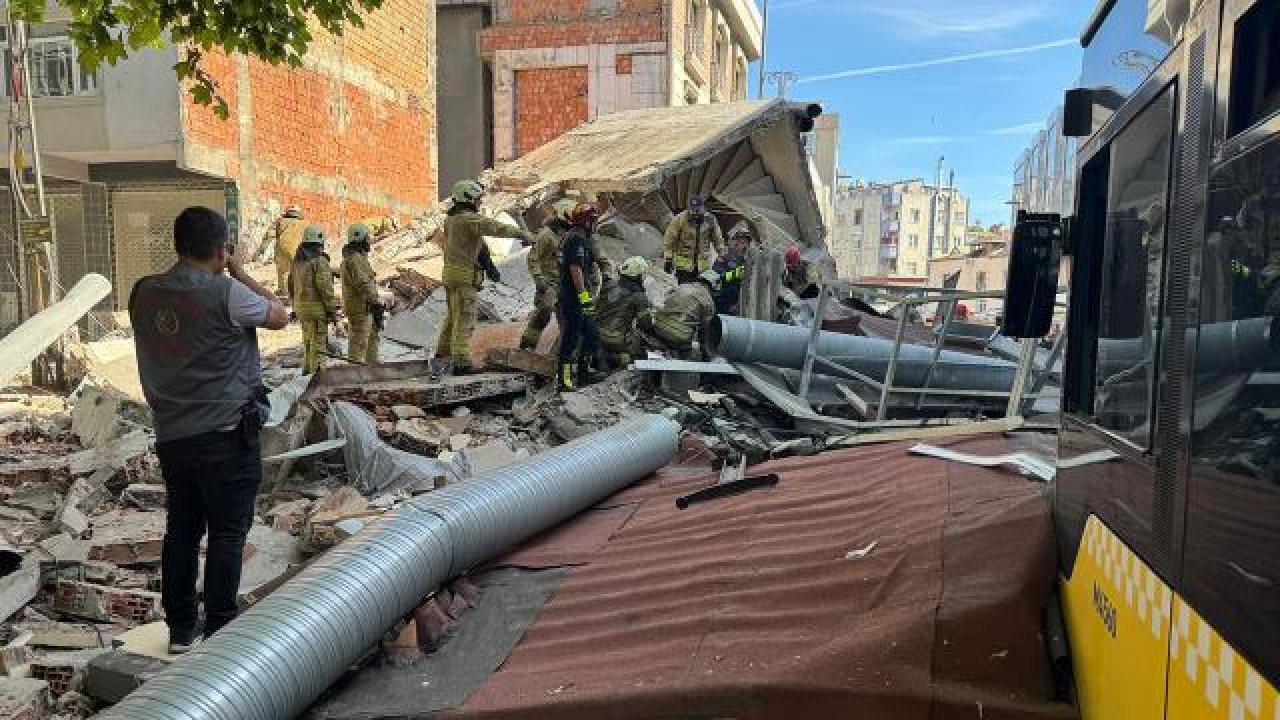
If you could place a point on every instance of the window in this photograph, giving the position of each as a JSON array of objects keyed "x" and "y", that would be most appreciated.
[
  {"x": 911, "y": 268},
  {"x": 1232, "y": 569},
  {"x": 1255, "y": 67},
  {"x": 857, "y": 217},
  {"x": 695, "y": 36},
  {"x": 915, "y": 216},
  {"x": 913, "y": 241},
  {"x": 1132, "y": 273},
  {"x": 55, "y": 69},
  {"x": 959, "y": 218},
  {"x": 980, "y": 281}
]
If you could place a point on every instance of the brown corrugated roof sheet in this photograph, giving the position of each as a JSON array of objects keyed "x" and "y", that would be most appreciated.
[{"x": 757, "y": 606}]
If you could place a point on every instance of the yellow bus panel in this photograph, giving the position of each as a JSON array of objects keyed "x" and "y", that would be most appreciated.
[
  {"x": 1208, "y": 680},
  {"x": 1118, "y": 620}
]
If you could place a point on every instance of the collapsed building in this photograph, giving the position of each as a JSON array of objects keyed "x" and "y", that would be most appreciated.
[{"x": 740, "y": 537}]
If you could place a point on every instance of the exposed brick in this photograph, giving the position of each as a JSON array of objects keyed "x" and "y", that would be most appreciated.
[
  {"x": 105, "y": 604},
  {"x": 549, "y": 102},
  {"x": 356, "y": 122}
]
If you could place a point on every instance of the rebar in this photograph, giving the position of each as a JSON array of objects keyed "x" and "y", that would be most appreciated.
[{"x": 277, "y": 657}]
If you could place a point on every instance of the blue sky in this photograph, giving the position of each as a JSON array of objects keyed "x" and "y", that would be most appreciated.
[{"x": 895, "y": 121}]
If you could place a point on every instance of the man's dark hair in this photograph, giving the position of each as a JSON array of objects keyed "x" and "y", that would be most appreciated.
[{"x": 197, "y": 233}]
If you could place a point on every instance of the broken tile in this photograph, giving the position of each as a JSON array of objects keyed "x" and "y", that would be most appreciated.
[
  {"x": 113, "y": 675},
  {"x": 289, "y": 517},
  {"x": 19, "y": 585},
  {"x": 92, "y": 601},
  {"x": 405, "y": 412},
  {"x": 64, "y": 671},
  {"x": 128, "y": 537},
  {"x": 25, "y": 699},
  {"x": 64, "y": 636},
  {"x": 144, "y": 496}
]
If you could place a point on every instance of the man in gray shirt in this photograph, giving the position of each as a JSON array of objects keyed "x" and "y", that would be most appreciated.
[{"x": 194, "y": 327}]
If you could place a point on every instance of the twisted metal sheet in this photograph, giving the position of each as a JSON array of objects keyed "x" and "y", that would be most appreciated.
[{"x": 277, "y": 657}]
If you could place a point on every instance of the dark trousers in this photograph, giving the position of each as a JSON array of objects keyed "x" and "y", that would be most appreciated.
[
  {"x": 577, "y": 332},
  {"x": 212, "y": 480}
]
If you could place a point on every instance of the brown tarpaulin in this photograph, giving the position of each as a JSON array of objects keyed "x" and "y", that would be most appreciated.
[{"x": 758, "y": 606}]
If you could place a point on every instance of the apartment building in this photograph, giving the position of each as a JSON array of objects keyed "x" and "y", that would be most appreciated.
[
  {"x": 515, "y": 74},
  {"x": 349, "y": 134},
  {"x": 897, "y": 227}
]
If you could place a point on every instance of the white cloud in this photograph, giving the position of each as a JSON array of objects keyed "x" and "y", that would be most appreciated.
[
  {"x": 967, "y": 57},
  {"x": 936, "y": 18},
  {"x": 1022, "y": 129}
]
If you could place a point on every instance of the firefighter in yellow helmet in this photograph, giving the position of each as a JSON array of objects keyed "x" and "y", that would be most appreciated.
[
  {"x": 311, "y": 284},
  {"x": 621, "y": 303},
  {"x": 679, "y": 327},
  {"x": 360, "y": 297},
  {"x": 380, "y": 226},
  {"x": 286, "y": 235},
  {"x": 544, "y": 266},
  {"x": 466, "y": 263},
  {"x": 692, "y": 239}
]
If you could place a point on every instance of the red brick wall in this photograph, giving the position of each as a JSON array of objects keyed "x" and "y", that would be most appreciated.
[
  {"x": 549, "y": 102},
  {"x": 348, "y": 135},
  {"x": 564, "y": 23}
]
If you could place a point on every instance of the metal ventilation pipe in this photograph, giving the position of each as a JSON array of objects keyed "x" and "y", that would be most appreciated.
[
  {"x": 277, "y": 657},
  {"x": 1251, "y": 345},
  {"x": 744, "y": 340}
]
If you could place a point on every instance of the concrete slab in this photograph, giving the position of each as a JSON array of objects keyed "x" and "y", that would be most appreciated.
[{"x": 28, "y": 340}]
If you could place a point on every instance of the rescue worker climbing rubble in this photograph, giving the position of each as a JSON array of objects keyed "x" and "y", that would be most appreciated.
[
  {"x": 466, "y": 263},
  {"x": 311, "y": 286},
  {"x": 286, "y": 235},
  {"x": 544, "y": 267},
  {"x": 732, "y": 269},
  {"x": 692, "y": 239},
  {"x": 800, "y": 276},
  {"x": 621, "y": 303},
  {"x": 576, "y": 310},
  {"x": 360, "y": 297},
  {"x": 679, "y": 327}
]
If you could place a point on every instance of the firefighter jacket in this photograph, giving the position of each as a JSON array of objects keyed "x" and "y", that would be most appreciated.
[
  {"x": 690, "y": 245},
  {"x": 464, "y": 234}
]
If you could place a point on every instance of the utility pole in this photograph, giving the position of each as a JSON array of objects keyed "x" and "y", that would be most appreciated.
[
  {"x": 933, "y": 206},
  {"x": 947, "y": 214},
  {"x": 764, "y": 49},
  {"x": 784, "y": 79}
]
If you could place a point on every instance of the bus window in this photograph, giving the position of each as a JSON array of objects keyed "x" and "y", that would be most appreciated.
[
  {"x": 1232, "y": 547},
  {"x": 1133, "y": 262},
  {"x": 1255, "y": 67}
]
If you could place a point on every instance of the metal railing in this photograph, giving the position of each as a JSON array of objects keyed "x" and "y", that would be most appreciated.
[{"x": 1028, "y": 379}]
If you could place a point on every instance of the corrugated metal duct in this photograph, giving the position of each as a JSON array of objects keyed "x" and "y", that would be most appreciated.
[
  {"x": 742, "y": 340},
  {"x": 277, "y": 657}
]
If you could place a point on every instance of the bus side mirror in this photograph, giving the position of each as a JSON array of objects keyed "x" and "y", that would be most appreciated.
[{"x": 1032, "y": 286}]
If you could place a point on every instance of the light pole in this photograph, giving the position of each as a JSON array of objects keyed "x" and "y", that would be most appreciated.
[{"x": 764, "y": 49}]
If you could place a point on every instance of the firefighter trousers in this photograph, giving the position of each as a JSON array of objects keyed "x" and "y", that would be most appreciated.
[
  {"x": 459, "y": 324},
  {"x": 362, "y": 340}
]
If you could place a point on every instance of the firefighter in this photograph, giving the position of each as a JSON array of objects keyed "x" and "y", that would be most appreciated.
[
  {"x": 311, "y": 284},
  {"x": 576, "y": 308},
  {"x": 732, "y": 269},
  {"x": 690, "y": 242},
  {"x": 286, "y": 234},
  {"x": 360, "y": 297},
  {"x": 621, "y": 303},
  {"x": 800, "y": 276},
  {"x": 544, "y": 267},
  {"x": 381, "y": 226},
  {"x": 679, "y": 327},
  {"x": 466, "y": 263}
]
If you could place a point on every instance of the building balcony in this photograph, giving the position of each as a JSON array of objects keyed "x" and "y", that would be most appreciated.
[
  {"x": 890, "y": 226},
  {"x": 888, "y": 252},
  {"x": 744, "y": 20}
]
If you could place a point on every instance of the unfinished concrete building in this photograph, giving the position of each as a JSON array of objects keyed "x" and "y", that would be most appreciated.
[
  {"x": 515, "y": 75},
  {"x": 349, "y": 134}
]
